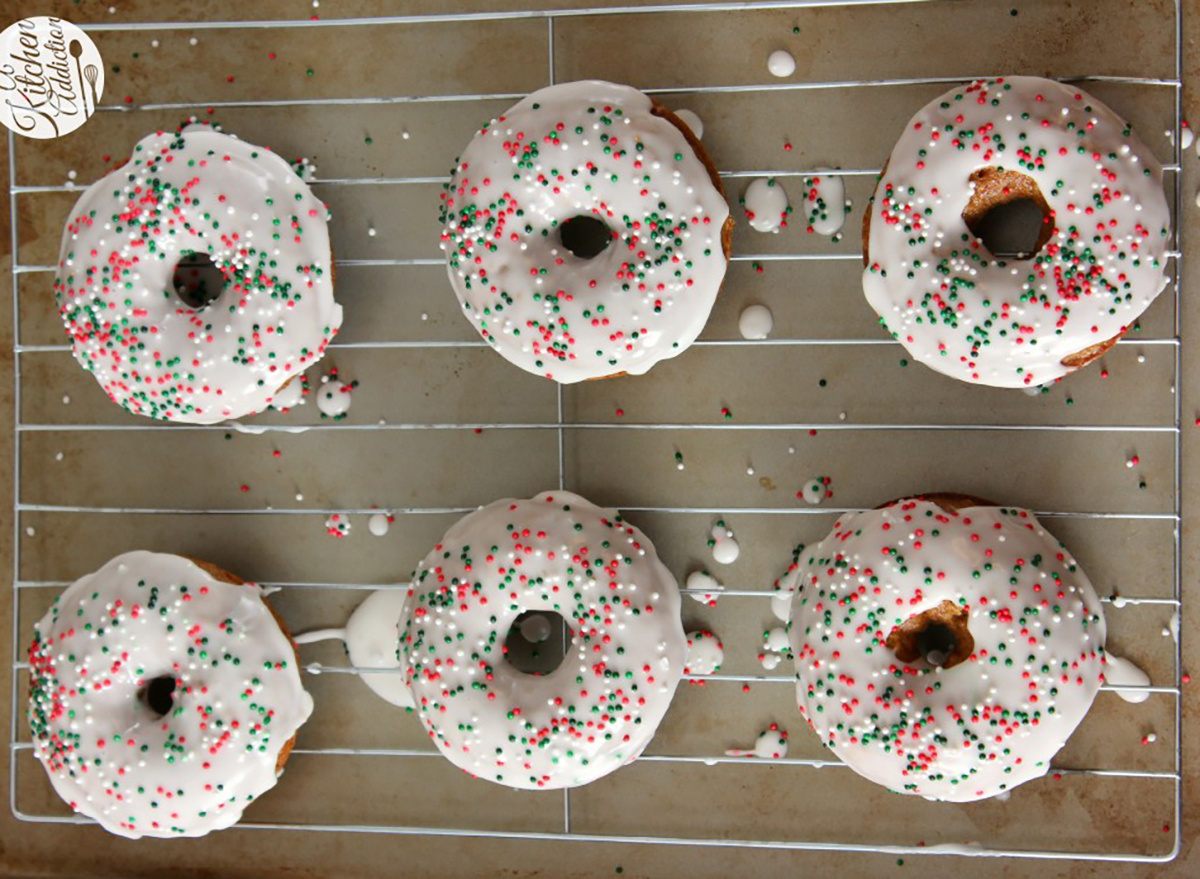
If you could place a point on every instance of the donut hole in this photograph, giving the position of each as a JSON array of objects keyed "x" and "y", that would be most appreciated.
[
  {"x": 1008, "y": 213},
  {"x": 537, "y": 642},
  {"x": 935, "y": 638},
  {"x": 585, "y": 236},
  {"x": 159, "y": 695},
  {"x": 197, "y": 281}
]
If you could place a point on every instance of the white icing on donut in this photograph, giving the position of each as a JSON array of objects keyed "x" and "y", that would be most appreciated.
[
  {"x": 372, "y": 636},
  {"x": 289, "y": 396},
  {"x": 756, "y": 322},
  {"x": 766, "y": 205},
  {"x": 980, "y": 727},
  {"x": 599, "y": 709},
  {"x": 589, "y": 149},
  {"x": 197, "y": 191},
  {"x": 237, "y": 700},
  {"x": 1010, "y": 323},
  {"x": 705, "y": 653}
]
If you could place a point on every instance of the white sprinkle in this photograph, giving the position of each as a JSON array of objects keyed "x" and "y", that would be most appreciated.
[
  {"x": 71, "y": 175},
  {"x": 30, "y": 531},
  {"x": 424, "y": 316},
  {"x": 1141, "y": 358},
  {"x": 781, "y": 63},
  {"x": 371, "y": 231},
  {"x": 193, "y": 41},
  {"x": 154, "y": 43},
  {"x": 299, "y": 497},
  {"x": 58, "y": 457},
  {"x": 1151, "y": 738},
  {"x": 404, "y": 135},
  {"x": 66, "y": 400}
]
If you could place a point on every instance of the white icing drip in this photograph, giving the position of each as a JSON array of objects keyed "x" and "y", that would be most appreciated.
[
  {"x": 825, "y": 203},
  {"x": 770, "y": 661},
  {"x": 559, "y": 553},
  {"x": 756, "y": 322},
  {"x": 333, "y": 397},
  {"x": 289, "y": 396},
  {"x": 725, "y": 548},
  {"x": 646, "y": 296},
  {"x": 1038, "y": 635},
  {"x": 214, "y": 364},
  {"x": 692, "y": 121},
  {"x": 536, "y": 629},
  {"x": 772, "y": 744},
  {"x": 951, "y": 309},
  {"x": 705, "y": 653},
  {"x": 704, "y": 587},
  {"x": 379, "y": 523},
  {"x": 372, "y": 641},
  {"x": 107, "y": 752},
  {"x": 337, "y": 525},
  {"x": 776, "y": 640},
  {"x": 318, "y": 635},
  {"x": 814, "y": 491},
  {"x": 766, "y": 204},
  {"x": 1120, "y": 672},
  {"x": 781, "y": 63},
  {"x": 781, "y": 606}
]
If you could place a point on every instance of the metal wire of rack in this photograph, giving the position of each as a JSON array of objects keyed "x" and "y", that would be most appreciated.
[{"x": 19, "y": 750}]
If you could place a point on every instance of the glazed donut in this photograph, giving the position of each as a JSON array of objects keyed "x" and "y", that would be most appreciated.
[
  {"x": 563, "y": 158},
  {"x": 164, "y": 696},
  {"x": 599, "y": 709},
  {"x": 944, "y": 646},
  {"x": 1099, "y": 261},
  {"x": 197, "y": 191}
]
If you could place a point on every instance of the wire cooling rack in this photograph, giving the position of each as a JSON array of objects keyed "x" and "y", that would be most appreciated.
[{"x": 569, "y": 429}]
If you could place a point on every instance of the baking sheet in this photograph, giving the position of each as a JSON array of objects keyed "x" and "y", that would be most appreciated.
[{"x": 427, "y": 386}]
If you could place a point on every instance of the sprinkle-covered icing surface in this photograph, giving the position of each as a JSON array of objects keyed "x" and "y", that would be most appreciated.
[
  {"x": 1011, "y": 322},
  {"x": 599, "y": 709},
  {"x": 197, "y": 191},
  {"x": 591, "y": 149},
  {"x": 957, "y": 733},
  {"x": 237, "y": 698}
]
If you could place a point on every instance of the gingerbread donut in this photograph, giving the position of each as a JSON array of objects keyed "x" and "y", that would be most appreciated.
[
  {"x": 165, "y": 696},
  {"x": 586, "y": 232},
  {"x": 1098, "y": 262},
  {"x": 598, "y": 710},
  {"x": 197, "y": 191},
  {"x": 944, "y": 646}
]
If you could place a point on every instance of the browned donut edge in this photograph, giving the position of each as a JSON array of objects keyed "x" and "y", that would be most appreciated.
[
  {"x": 662, "y": 112},
  {"x": 223, "y": 576},
  {"x": 949, "y": 501},
  {"x": 1071, "y": 361}
]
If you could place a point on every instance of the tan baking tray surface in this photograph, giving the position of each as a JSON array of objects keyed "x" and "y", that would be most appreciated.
[{"x": 440, "y": 424}]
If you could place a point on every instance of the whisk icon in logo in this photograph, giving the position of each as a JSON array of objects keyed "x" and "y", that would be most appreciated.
[{"x": 51, "y": 77}]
